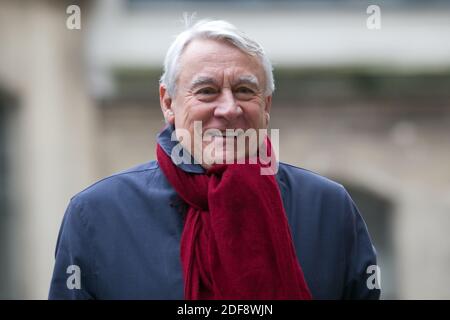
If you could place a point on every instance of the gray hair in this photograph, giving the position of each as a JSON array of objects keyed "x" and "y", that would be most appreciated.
[{"x": 215, "y": 30}]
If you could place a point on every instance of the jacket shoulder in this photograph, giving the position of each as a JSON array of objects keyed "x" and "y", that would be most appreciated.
[
  {"x": 117, "y": 183},
  {"x": 297, "y": 177}
]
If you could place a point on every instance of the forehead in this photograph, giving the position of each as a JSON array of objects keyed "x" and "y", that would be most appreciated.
[{"x": 217, "y": 59}]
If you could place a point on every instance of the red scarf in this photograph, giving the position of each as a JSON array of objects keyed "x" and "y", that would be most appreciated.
[{"x": 236, "y": 242}]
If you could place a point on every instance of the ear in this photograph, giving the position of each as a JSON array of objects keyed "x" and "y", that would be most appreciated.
[
  {"x": 268, "y": 103},
  {"x": 268, "y": 106},
  {"x": 166, "y": 104}
]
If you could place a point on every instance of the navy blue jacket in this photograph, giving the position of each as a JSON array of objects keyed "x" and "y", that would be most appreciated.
[{"x": 120, "y": 237}]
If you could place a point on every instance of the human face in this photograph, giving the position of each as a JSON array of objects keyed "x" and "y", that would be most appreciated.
[{"x": 222, "y": 87}]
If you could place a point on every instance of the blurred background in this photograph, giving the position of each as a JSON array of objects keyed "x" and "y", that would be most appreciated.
[{"x": 369, "y": 108}]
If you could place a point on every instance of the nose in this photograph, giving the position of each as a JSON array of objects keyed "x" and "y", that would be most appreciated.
[{"x": 227, "y": 107}]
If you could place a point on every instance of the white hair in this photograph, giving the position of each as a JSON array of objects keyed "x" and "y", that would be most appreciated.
[{"x": 215, "y": 30}]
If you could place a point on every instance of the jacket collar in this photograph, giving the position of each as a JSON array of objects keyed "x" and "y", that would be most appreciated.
[{"x": 166, "y": 143}]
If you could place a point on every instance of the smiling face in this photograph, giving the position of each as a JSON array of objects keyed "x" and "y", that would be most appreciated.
[{"x": 222, "y": 87}]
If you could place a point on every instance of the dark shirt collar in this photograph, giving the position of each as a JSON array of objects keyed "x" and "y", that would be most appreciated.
[{"x": 164, "y": 140}]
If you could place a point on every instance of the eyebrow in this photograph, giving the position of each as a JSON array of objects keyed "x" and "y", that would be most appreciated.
[
  {"x": 249, "y": 80},
  {"x": 202, "y": 81}
]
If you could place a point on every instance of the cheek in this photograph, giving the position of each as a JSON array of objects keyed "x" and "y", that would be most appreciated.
[
  {"x": 188, "y": 110},
  {"x": 254, "y": 113},
  {"x": 201, "y": 111},
  {"x": 188, "y": 116}
]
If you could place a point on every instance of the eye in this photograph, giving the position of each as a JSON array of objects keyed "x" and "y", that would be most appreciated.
[
  {"x": 244, "y": 90},
  {"x": 244, "y": 93},
  {"x": 206, "y": 91}
]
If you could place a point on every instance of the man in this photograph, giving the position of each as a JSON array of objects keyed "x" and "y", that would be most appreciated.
[{"x": 205, "y": 221}]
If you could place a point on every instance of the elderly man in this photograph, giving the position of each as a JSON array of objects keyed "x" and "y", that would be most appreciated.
[{"x": 213, "y": 225}]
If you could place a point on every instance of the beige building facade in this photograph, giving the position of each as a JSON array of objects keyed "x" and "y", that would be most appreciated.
[{"x": 371, "y": 113}]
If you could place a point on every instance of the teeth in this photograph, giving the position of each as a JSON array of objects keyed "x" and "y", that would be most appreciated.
[
  {"x": 231, "y": 134},
  {"x": 225, "y": 134}
]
